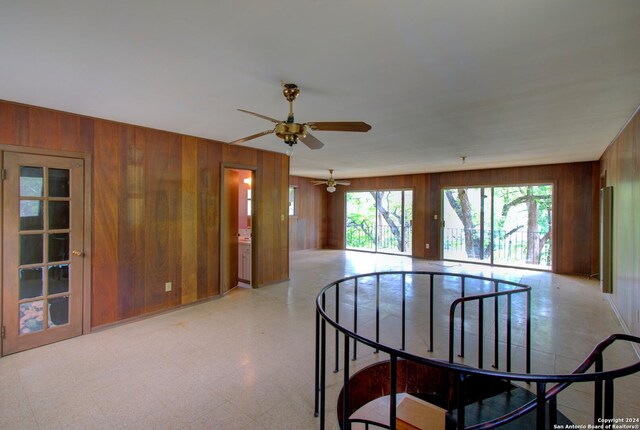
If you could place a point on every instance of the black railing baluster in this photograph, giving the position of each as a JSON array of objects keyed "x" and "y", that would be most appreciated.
[
  {"x": 527, "y": 350},
  {"x": 355, "y": 316},
  {"x": 404, "y": 310},
  {"x": 377, "y": 310},
  {"x": 337, "y": 352},
  {"x": 540, "y": 405},
  {"x": 317, "y": 370},
  {"x": 462, "y": 282},
  {"x": 597, "y": 392},
  {"x": 509, "y": 333},
  {"x": 323, "y": 368},
  {"x": 452, "y": 314},
  {"x": 480, "y": 331},
  {"x": 393, "y": 392},
  {"x": 553, "y": 411},
  {"x": 460, "y": 401},
  {"x": 496, "y": 330},
  {"x": 608, "y": 398},
  {"x": 346, "y": 424},
  {"x": 431, "y": 312}
]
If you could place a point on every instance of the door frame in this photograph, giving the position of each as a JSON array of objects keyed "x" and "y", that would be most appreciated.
[
  {"x": 87, "y": 244},
  {"x": 410, "y": 252},
  {"x": 254, "y": 186},
  {"x": 554, "y": 220}
]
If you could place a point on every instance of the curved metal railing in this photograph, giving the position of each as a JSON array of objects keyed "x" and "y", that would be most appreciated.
[{"x": 350, "y": 288}]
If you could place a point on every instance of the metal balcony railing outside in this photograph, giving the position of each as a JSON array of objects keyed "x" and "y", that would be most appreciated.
[{"x": 508, "y": 247}]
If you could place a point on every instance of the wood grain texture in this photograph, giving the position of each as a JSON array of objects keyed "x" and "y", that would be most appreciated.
[
  {"x": 189, "y": 256},
  {"x": 162, "y": 226},
  {"x": 306, "y": 227},
  {"x": 575, "y": 227},
  {"x": 270, "y": 228},
  {"x": 131, "y": 219},
  {"x": 229, "y": 230},
  {"x": 209, "y": 156},
  {"x": 621, "y": 165},
  {"x": 105, "y": 255},
  {"x": 7, "y": 124},
  {"x": 155, "y": 208},
  {"x": 43, "y": 128}
]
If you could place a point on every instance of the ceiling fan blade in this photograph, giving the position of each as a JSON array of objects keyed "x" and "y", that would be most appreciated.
[
  {"x": 340, "y": 126},
  {"x": 253, "y": 136},
  {"x": 318, "y": 182},
  {"x": 260, "y": 116},
  {"x": 343, "y": 183},
  {"x": 311, "y": 141}
]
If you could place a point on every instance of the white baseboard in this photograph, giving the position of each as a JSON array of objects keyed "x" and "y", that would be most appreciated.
[{"x": 622, "y": 322}]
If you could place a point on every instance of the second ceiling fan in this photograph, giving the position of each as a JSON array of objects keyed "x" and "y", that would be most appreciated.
[{"x": 290, "y": 131}]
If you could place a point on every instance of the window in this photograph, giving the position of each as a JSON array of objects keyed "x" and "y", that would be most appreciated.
[
  {"x": 249, "y": 202},
  {"x": 508, "y": 226},
  {"x": 292, "y": 201},
  {"x": 379, "y": 221}
]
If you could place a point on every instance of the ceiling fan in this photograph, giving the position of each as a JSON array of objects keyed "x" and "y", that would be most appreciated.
[
  {"x": 331, "y": 183},
  {"x": 290, "y": 132}
]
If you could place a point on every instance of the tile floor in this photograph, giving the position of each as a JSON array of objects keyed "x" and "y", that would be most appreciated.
[{"x": 246, "y": 361}]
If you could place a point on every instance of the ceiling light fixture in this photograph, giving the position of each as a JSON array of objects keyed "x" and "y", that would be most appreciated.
[
  {"x": 289, "y": 150},
  {"x": 331, "y": 183}
]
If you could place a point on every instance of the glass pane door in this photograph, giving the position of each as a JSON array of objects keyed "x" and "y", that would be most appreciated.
[
  {"x": 380, "y": 221},
  {"x": 523, "y": 218},
  {"x": 43, "y": 220},
  {"x": 361, "y": 221},
  {"x": 466, "y": 234},
  {"x": 508, "y": 226}
]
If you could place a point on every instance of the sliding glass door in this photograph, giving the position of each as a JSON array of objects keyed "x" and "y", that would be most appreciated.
[
  {"x": 509, "y": 226},
  {"x": 379, "y": 221}
]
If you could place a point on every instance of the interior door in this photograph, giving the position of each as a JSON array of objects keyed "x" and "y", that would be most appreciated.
[
  {"x": 42, "y": 250},
  {"x": 230, "y": 229}
]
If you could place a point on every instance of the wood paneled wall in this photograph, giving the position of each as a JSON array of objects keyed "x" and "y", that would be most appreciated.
[
  {"x": 620, "y": 165},
  {"x": 156, "y": 208},
  {"x": 308, "y": 228},
  {"x": 576, "y": 207}
]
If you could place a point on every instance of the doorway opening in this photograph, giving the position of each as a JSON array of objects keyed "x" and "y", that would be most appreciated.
[
  {"x": 507, "y": 226},
  {"x": 237, "y": 221}
]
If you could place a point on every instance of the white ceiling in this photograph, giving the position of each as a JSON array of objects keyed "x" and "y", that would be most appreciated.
[{"x": 502, "y": 82}]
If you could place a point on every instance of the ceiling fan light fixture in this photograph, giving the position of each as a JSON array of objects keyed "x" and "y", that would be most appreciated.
[
  {"x": 331, "y": 188},
  {"x": 290, "y": 131}
]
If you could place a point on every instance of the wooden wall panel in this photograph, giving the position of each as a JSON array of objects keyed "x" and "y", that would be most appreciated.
[
  {"x": 209, "y": 156},
  {"x": 105, "y": 256},
  {"x": 305, "y": 228},
  {"x": 241, "y": 155},
  {"x": 620, "y": 164},
  {"x": 163, "y": 228},
  {"x": 43, "y": 128},
  {"x": 576, "y": 229},
  {"x": 155, "y": 208},
  {"x": 270, "y": 229},
  {"x": 8, "y": 124},
  {"x": 130, "y": 221},
  {"x": 189, "y": 258}
]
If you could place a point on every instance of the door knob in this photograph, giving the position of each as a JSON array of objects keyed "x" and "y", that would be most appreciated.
[{"x": 76, "y": 252}]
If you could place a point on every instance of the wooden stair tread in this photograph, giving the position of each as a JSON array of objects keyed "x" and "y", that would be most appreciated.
[{"x": 412, "y": 413}]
